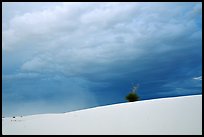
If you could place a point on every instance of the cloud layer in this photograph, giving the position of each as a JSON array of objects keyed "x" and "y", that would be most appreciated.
[{"x": 106, "y": 45}]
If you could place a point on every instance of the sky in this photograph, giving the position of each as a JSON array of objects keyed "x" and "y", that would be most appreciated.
[{"x": 65, "y": 56}]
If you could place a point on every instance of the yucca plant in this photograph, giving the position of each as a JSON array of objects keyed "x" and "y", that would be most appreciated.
[{"x": 132, "y": 96}]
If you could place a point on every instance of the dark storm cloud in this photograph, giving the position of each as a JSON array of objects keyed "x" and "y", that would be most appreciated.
[{"x": 88, "y": 54}]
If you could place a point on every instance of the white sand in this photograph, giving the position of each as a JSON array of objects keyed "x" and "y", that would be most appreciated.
[{"x": 178, "y": 115}]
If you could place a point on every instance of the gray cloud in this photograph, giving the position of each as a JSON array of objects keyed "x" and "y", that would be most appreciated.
[{"x": 106, "y": 45}]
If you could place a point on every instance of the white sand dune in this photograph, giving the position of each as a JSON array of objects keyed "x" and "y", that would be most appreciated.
[{"x": 176, "y": 115}]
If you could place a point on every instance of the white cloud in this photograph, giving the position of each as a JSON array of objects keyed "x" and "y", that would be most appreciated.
[
  {"x": 198, "y": 78},
  {"x": 74, "y": 37}
]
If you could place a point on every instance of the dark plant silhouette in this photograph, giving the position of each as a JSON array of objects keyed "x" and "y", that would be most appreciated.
[{"x": 132, "y": 96}]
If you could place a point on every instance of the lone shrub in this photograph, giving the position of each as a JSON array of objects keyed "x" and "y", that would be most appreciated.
[{"x": 132, "y": 96}]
